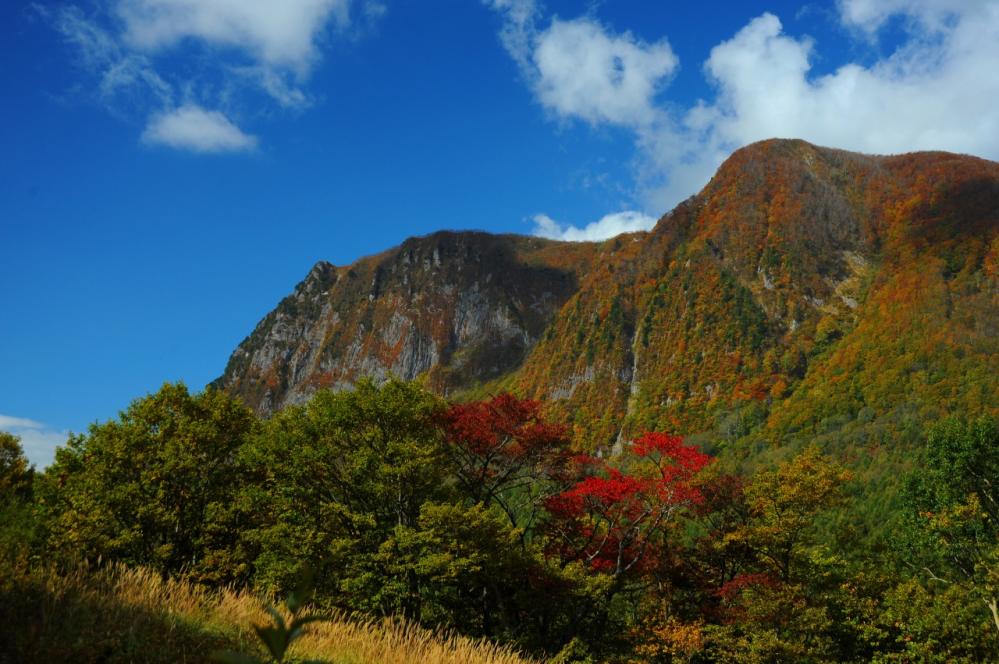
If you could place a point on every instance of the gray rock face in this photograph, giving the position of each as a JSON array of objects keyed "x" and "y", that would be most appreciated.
[{"x": 455, "y": 308}]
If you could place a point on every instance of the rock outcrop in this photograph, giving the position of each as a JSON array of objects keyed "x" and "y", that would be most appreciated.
[{"x": 458, "y": 309}]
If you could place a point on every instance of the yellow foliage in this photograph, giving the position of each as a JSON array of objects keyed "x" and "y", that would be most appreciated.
[{"x": 668, "y": 637}]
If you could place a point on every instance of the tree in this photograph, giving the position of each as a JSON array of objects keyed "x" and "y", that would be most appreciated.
[
  {"x": 897, "y": 620},
  {"x": 952, "y": 533},
  {"x": 474, "y": 574},
  {"x": 784, "y": 504},
  {"x": 777, "y": 607},
  {"x": 15, "y": 473},
  {"x": 612, "y": 527},
  {"x": 608, "y": 520},
  {"x": 157, "y": 487},
  {"x": 18, "y": 522},
  {"x": 504, "y": 453},
  {"x": 344, "y": 473},
  {"x": 721, "y": 553}
]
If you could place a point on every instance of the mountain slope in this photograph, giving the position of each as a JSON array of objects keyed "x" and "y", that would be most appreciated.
[{"x": 757, "y": 292}]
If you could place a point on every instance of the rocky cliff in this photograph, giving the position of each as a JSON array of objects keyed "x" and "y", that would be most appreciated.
[{"x": 457, "y": 309}]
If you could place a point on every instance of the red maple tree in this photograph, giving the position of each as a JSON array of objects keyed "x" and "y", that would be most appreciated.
[
  {"x": 505, "y": 454},
  {"x": 609, "y": 520}
]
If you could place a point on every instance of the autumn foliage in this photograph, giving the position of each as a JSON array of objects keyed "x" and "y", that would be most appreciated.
[
  {"x": 486, "y": 519},
  {"x": 503, "y": 444},
  {"x": 609, "y": 520}
]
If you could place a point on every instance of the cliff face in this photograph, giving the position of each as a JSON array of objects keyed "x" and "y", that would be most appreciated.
[
  {"x": 805, "y": 293},
  {"x": 458, "y": 309}
]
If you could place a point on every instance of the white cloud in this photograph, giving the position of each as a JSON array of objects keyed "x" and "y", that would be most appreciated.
[
  {"x": 276, "y": 85},
  {"x": 927, "y": 95},
  {"x": 38, "y": 440},
  {"x": 95, "y": 46},
  {"x": 8, "y": 423},
  {"x": 119, "y": 73},
  {"x": 585, "y": 71},
  {"x": 281, "y": 34},
  {"x": 608, "y": 226},
  {"x": 192, "y": 128},
  {"x": 140, "y": 53},
  {"x": 132, "y": 77},
  {"x": 581, "y": 69},
  {"x": 937, "y": 91},
  {"x": 871, "y": 15},
  {"x": 518, "y": 31}
]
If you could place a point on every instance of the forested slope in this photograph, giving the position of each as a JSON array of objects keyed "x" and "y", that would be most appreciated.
[{"x": 802, "y": 284}]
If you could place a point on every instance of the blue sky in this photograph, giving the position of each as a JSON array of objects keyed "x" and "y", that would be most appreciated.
[{"x": 170, "y": 169}]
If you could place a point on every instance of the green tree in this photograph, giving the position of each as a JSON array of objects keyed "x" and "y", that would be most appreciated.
[
  {"x": 18, "y": 522},
  {"x": 421, "y": 511},
  {"x": 781, "y": 608},
  {"x": 903, "y": 621},
  {"x": 785, "y": 503},
  {"x": 159, "y": 486},
  {"x": 952, "y": 533},
  {"x": 475, "y": 576},
  {"x": 15, "y": 472},
  {"x": 344, "y": 472}
]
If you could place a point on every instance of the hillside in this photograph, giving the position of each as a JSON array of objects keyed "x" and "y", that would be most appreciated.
[{"x": 804, "y": 293}]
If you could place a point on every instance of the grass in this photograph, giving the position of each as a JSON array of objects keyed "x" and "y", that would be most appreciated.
[{"x": 116, "y": 614}]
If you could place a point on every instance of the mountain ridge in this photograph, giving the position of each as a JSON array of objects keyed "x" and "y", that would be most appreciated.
[{"x": 804, "y": 293}]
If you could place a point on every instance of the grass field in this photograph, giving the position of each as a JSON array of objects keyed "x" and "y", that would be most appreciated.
[{"x": 116, "y": 614}]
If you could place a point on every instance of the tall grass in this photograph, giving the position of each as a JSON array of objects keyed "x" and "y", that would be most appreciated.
[{"x": 117, "y": 614}]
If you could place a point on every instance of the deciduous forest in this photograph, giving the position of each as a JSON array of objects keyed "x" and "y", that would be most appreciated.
[{"x": 486, "y": 519}]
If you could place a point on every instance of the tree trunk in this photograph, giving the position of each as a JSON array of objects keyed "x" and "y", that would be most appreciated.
[{"x": 993, "y": 605}]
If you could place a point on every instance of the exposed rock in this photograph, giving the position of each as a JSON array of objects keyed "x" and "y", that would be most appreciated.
[{"x": 451, "y": 321}]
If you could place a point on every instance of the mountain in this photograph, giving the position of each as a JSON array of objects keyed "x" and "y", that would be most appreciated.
[
  {"x": 457, "y": 309},
  {"x": 805, "y": 293}
]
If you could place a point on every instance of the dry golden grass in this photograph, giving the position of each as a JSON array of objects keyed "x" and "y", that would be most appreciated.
[
  {"x": 400, "y": 643},
  {"x": 118, "y": 614}
]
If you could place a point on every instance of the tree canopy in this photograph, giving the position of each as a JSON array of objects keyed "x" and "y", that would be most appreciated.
[{"x": 487, "y": 518}]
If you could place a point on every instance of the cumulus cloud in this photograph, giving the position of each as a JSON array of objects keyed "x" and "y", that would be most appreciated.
[
  {"x": 936, "y": 91},
  {"x": 584, "y": 70},
  {"x": 192, "y": 128},
  {"x": 140, "y": 53},
  {"x": 871, "y": 15},
  {"x": 38, "y": 440},
  {"x": 927, "y": 95},
  {"x": 609, "y": 226},
  {"x": 281, "y": 34}
]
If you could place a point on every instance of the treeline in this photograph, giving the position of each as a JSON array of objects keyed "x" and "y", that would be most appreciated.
[{"x": 483, "y": 518}]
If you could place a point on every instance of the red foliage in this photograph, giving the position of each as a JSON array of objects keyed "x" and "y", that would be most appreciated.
[
  {"x": 732, "y": 610},
  {"x": 609, "y": 520},
  {"x": 503, "y": 444},
  {"x": 505, "y": 454},
  {"x": 676, "y": 463},
  {"x": 734, "y": 588}
]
